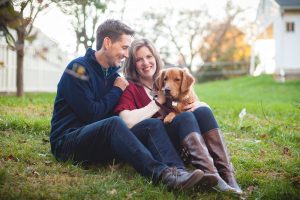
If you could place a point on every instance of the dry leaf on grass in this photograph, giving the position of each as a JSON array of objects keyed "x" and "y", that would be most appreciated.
[{"x": 287, "y": 151}]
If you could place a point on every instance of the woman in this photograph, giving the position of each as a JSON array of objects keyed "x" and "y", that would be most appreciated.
[{"x": 201, "y": 141}]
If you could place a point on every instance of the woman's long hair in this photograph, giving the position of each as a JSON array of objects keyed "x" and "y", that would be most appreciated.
[{"x": 129, "y": 69}]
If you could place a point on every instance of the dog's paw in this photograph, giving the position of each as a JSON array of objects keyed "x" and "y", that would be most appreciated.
[{"x": 169, "y": 118}]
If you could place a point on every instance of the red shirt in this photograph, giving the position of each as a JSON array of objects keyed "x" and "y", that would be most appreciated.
[{"x": 134, "y": 97}]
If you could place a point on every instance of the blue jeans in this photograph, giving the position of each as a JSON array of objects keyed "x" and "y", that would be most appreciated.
[
  {"x": 146, "y": 146},
  {"x": 201, "y": 121}
]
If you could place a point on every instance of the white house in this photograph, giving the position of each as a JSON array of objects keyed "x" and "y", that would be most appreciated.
[
  {"x": 277, "y": 43},
  {"x": 44, "y": 63}
]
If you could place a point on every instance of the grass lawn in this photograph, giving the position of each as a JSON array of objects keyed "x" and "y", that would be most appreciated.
[{"x": 264, "y": 147}]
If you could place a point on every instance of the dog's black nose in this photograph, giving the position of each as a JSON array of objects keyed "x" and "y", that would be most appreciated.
[{"x": 167, "y": 91}]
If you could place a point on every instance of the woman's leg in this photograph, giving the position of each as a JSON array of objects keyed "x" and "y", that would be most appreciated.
[
  {"x": 151, "y": 132},
  {"x": 213, "y": 138},
  {"x": 185, "y": 128}
]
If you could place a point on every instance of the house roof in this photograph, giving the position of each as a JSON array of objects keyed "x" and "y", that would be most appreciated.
[{"x": 288, "y": 4}]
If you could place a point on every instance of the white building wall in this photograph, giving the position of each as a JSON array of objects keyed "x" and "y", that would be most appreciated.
[
  {"x": 44, "y": 63},
  {"x": 265, "y": 50},
  {"x": 278, "y": 35},
  {"x": 291, "y": 43},
  {"x": 40, "y": 75}
]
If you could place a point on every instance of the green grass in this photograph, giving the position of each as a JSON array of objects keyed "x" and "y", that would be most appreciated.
[{"x": 264, "y": 148}]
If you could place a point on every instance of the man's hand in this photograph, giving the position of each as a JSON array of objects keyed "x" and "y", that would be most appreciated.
[{"x": 121, "y": 83}]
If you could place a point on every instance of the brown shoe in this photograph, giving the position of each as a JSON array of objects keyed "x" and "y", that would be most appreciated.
[
  {"x": 198, "y": 155},
  {"x": 181, "y": 179},
  {"x": 218, "y": 150}
]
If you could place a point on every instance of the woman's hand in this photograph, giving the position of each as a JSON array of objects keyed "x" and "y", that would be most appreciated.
[{"x": 193, "y": 106}]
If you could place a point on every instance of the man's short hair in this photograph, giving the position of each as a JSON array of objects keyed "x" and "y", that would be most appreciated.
[{"x": 113, "y": 29}]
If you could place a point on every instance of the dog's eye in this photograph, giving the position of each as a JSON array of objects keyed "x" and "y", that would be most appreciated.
[
  {"x": 165, "y": 78},
  {"x": 177, "y": 79}
]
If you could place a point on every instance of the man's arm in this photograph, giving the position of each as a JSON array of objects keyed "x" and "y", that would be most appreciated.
[{"x": 79, "y": 94}]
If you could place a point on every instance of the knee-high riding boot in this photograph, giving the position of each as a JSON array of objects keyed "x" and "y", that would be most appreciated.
[
  {"x": 198, "y": 155},
  {"x": 217, "y": 149}
]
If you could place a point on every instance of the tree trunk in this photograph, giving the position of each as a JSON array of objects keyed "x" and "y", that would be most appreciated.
[{"x": 20, "y": 61}]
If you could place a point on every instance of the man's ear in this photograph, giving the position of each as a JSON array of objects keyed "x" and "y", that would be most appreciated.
[
  {"x": 159, "y": 82},
  {"x": 187, "y": 80},
  {"x": 106, "y": 43}
]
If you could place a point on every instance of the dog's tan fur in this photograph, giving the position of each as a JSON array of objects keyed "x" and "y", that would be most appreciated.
[{"x": 176, "y": 84}]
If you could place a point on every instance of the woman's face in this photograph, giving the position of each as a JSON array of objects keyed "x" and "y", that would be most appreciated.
[{"x": 145, "y": 63}]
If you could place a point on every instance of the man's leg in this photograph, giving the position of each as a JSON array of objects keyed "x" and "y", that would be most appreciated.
[{"x": 102, "y": 141}]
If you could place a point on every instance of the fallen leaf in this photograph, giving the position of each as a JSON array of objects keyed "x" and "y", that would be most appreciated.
[
  {"x": 250, "y": 189},
  {"x": 48, "y": 162},
  {"x": 35, "y": 173},
  {"x": 287, "y": 151},
  {"x": 113, "y": 192},
  {"x": 263, "y": 136},
  {"x": 242, "y": 113},
  {"x": 262, "y": 153},
  {"x": 31, "y": 171},
  {"x": 13, "y": 158}
]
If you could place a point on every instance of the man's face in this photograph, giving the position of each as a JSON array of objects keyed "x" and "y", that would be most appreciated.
[{"x": 118, "y": 51}]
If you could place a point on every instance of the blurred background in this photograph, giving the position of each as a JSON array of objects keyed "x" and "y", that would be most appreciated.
[{"x": 216, "y": 40}]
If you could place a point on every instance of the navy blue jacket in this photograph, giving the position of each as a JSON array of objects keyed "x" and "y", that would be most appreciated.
[{"x": 85, "y": 94}]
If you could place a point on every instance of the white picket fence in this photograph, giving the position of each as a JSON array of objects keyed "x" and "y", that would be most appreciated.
[{"x": 41, "y": 73}]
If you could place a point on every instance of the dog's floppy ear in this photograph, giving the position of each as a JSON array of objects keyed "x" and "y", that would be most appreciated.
[
  {"x": 187, "y": 80},
  {"x": 159, "y": 82}
]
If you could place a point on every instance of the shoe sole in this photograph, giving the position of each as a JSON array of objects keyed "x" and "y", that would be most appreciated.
[
  {"x": 194, "y": 179},
  {"x": 208, "y": 180}
]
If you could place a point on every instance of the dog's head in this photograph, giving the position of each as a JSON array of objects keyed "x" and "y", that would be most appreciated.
[{"x": 174, "y": 82}]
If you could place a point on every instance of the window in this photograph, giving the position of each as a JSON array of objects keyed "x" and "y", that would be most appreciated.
[{"x": 290, "y": 27}]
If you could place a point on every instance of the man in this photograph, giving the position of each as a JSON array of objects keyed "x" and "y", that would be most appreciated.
[{"x": 84, "y": 129}]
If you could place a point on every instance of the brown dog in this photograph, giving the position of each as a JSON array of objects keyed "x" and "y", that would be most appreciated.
[{"x": 176, "y": 84}]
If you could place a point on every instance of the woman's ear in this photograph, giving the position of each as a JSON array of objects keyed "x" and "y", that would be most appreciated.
[
  {"x": 187, "y": 80},
  {"x": 159, "y": 82}
]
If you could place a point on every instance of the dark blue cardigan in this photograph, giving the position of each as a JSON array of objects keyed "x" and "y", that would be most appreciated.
[{"x": 85, "y": 94}]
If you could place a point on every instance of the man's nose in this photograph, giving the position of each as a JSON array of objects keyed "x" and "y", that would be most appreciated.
[{"x": 126, "y": 54}]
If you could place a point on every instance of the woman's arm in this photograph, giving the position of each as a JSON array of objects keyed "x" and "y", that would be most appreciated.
[
  {"x": 196, "y": 104},
  {"x": 132, "y": 117}
]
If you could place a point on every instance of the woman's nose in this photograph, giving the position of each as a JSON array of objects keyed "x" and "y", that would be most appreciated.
[{"x": 145, "y": 61}]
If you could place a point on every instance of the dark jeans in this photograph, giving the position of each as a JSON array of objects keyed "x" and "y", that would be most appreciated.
[
  {"x": 146, "y": 146},
  {"x": 201, "y": 121}
]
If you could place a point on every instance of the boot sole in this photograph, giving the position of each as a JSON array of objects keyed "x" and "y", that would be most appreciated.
[
  {"x": 209, "y": 180},
  {"x": 194, "y": 179}
]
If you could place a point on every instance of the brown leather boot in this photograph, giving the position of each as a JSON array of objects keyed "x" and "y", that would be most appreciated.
[
  {"x": 198, "y": 155},
  {"x": 217, "y": 149}
]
